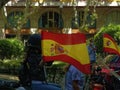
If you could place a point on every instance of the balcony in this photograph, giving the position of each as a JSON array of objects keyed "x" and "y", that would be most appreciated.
[{"x": 63, "y": 2}]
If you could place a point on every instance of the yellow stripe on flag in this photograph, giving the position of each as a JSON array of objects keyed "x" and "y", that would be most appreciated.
[{"x": 73, "y": 51}]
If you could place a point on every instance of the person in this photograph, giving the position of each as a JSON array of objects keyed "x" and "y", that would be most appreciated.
[
  {"x": 74, "y": 79},
  {"x": 31, "y": 70},
  {"x": 32, "y": 74},
  {"x": 92, "y": 51},
  {"x": 98, "y": 79}
]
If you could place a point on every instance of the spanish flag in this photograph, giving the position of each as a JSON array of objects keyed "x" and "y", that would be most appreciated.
[
  {"x": 109, "y": 45},
  {"x": 70, "y": 48}
]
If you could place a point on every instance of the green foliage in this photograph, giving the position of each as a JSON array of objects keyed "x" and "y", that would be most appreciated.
[
  {"x": 112, "y": 30},
  {"x": 58, "y": 64},
  {"x": 11, "y": 63},
  {"x": 8, "y": 66},
  {"x": 10, "y": 48},
  {"x": 5, "y": 49},
  {"x": 17, "y": 46}
]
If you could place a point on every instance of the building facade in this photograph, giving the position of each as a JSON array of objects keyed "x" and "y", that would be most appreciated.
[{"x": 59, "y": 16}]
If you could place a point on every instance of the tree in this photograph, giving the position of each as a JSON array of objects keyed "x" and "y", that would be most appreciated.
[
  {"x": 3, "y": 2},
  {"x": 20, "y": 20}
]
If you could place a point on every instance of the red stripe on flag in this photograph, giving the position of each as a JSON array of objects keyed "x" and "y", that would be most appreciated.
[
  {"x": 111, "y": 51},
  {"x": 65, "y": 39},
  {"x": 85, "y": 68},
  {"x": 109, "y": 37}
]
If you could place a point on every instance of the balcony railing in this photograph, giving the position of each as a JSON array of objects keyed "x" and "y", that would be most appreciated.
[{"x": 64, "y": 3}]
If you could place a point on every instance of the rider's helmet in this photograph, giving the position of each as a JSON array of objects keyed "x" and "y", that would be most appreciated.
[{"x": 34, "y": 41}]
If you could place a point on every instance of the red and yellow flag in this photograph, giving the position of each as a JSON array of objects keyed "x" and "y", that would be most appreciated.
[
  {"x": 109, "y": 45},
  {"x": 70, "y": 48}
]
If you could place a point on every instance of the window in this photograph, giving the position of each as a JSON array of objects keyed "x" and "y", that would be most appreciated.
[
  {"x": 15, "y": 18},
  {"x": 91, "y": 23},
  {"x": 50, "y": 20},
  {"x": 113, "y": 18},
  {"x": 78, "y": 21}
]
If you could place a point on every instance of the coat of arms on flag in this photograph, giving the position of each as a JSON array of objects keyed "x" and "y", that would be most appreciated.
[{"x": 57, "y": 49}]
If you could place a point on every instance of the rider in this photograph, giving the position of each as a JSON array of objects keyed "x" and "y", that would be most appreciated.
[
  {"x": 33, "y": 70},
  {"x": 31, "y": 64}
]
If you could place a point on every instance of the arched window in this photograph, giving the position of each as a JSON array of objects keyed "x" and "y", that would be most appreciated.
[
  {"x": 15, "y": 18},
  {"x": 50, "y": 20}
]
